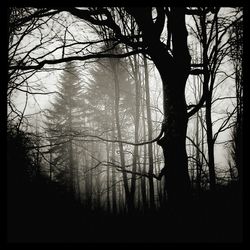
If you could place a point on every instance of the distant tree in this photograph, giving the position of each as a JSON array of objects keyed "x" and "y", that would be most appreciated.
[
  {"x": 110, "y": 101},
  {"x": 63, "y": 121}
]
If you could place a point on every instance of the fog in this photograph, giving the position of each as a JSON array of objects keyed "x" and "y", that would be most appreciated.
[{"x": 113, "y": 114}]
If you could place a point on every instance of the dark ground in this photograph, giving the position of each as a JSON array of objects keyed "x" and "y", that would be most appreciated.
[{"x": 38, "y": 212}]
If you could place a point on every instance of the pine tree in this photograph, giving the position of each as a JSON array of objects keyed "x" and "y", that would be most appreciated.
[
  {"x": 63, "y": 120},
  {"x": 102, "y": 99}
]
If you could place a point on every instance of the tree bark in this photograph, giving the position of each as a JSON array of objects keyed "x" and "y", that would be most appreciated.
[
  {"x": 150, "y": 151},
  {"x": 174, "y": 72}
]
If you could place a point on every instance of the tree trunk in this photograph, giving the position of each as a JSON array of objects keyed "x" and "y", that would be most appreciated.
[
  {"x": 143, "y": 180},
  {"x": 98, "y": 181},
  {"x": 198, "y": 95},
  {"x": 239, "y": 124},
  {"x": 108, "y": 197},
  {"x": 50, "y": 162},
  {"x": 174, "y": 69},
  {"x": 78, "y": 182},
  {"x": 71, "y": 160},
  {"x": 210, "y": 144},
  {"x": 198, "y": 162},
  {"x": 88, "y": 178},
  {"x": 174, "y": 72},
  {"x": 136, "y": 120},
  {"x": 173, "y": 144},
  {"x": 119, "y": 137},
  {"x": 114, "y": 202},
  {"x": 202, "y": 146},
  {"x": 150, "y": 151},
  {"x": 209, "y": 91}
]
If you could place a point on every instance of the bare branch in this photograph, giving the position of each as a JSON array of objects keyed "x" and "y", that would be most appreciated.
[
  {"x": 196, "y": 72},
  {"x": 125, "y": 142},
  {"x": 75, "y": 58},
  {"x": 148, "y": 175},
  {"x": 196, "y": 146},
  {"x": 224, "y": 124}
]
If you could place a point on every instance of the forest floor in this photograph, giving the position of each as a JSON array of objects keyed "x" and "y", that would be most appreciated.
[{"x": 40, "y": 213}]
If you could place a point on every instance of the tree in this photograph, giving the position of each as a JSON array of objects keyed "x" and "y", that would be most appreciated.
[
  {"x": 212, "y": 32},
  {"x": 149, "y": 122},
  {"x": 109, "y": 102},
  {"x": 175, "y": 112},
  {"x": 63, "y": 119},
  {"x": 236, "y": 54}
]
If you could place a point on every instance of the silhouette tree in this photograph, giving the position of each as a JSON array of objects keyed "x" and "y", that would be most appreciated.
[
  {"x": 236, "y": 54},
  {"x": 212, "y": 32}
]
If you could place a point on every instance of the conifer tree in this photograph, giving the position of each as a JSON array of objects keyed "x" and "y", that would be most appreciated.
[{"x": 63, "y": 120}]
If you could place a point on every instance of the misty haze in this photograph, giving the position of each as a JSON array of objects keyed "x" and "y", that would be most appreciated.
[{"x": 125, "y": 124}]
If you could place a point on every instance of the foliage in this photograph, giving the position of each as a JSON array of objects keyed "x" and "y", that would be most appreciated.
[{"x": 20, "y": 155}]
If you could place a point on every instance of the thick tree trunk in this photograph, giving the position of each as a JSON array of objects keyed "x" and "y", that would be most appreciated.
[
  {"x": 173, "y": 144},
  {"x": 174, "y": 72},
  {"x": 174, "y": 69}
]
